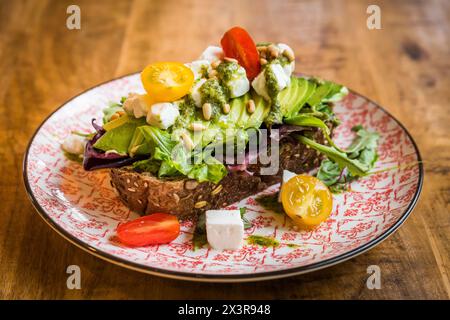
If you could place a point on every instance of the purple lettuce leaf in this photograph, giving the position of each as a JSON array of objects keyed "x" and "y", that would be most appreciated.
[{"x": 94, "y": 159}]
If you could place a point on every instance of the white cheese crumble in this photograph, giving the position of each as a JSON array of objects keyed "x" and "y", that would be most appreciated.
[
  {"x": 74, "y": 144},
  {"x": 238, "y": 85},
  {"x": 281, "y": 79},
  {"x": 136, "y": 105},
  {"x": 162, "y": 115},
  {"x": 195, "y": 92},
  {"x": 224, "y": 229},
  {"x": 212, "y": 53},
  {"x": 287, "y": 175},
  {"x": 199, "y": 67},
  {"x": 290, "y": 67}
]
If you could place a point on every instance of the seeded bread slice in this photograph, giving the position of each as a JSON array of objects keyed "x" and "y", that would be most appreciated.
[{"x": 146, "y": 194}]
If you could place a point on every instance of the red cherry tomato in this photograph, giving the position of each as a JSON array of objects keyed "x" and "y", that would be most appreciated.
[
  {"x": 156, "y": 228},
  {"x": 237, "y": 43}
]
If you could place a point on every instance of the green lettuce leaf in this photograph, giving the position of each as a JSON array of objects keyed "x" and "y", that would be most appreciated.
[{"x": 363, "y": 150}]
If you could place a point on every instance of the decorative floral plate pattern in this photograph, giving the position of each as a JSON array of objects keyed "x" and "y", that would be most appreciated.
[{"x": 83, "y": 207}]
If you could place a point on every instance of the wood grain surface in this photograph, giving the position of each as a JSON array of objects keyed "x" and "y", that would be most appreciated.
[{"x": 405, "y": 67}]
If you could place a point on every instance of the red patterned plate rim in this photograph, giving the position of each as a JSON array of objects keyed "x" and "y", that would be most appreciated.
[{"x": 222, "y": 277}]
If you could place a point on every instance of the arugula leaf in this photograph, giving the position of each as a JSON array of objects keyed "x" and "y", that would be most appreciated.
[
  {"x": 304, "y": 120},
  {"x": 363, "y": 150},
  {"x": 341, "y": 158},
  {"x": 329, "y": 172}
]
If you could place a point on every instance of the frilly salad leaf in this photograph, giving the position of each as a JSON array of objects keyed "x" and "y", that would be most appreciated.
[
  {"x": 337, "y": 171},
  {"x": 175, "y": 159}
]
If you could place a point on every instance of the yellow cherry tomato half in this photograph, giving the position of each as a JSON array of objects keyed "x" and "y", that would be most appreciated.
[
  {"x": 167, "y": 81},
  {"x": 306, "y": 200}
]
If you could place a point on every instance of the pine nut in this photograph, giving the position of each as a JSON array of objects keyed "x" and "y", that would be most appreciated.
[
  {"x": 187, "y": 141},
  {"x": 289, "y": 54},
  {"x": 228, "y": 59},
  {"x": 191, "y": 184},
  {"x": 226, "y": 108},
  {"x": 213, "y": 74},
  {"x": 261, "y": 48},
  {"x": 207, "y": 111},
  {"x": 263, "y": 61},
  {"x": 251, "y": 106},
  {"x": 215, "y": 64},
  {"x": 263, "y": 54},
  {"x": 197, "y": 127},
  {"x": 200, "y": 204},
  {"x": 273, "y": 50},
  {"x": 217, "y": 190}
]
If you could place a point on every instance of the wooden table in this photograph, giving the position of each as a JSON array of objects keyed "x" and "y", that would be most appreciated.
[{"x": 404, "y": 66}]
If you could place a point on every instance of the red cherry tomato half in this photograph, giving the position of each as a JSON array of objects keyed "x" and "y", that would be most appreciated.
[
  {"x": 156, "y": 228},
  {"x": 237, "y": 43}
]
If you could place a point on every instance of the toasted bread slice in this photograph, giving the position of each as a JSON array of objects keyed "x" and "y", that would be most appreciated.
[{"x": 146, "y": 194}]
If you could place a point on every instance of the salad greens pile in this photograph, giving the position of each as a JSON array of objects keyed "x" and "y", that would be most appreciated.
[
  {"x": 340, "y": 168},
  {"x": 305, "y": 103}
]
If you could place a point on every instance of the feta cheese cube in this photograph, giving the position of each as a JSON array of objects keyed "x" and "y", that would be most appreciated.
[
  {"x": 259, "y": 84},
  {"x": 280, "y": 76},
  {"x": 74, "y": 144},
  {"x": 195, "y": 92},
  {"x": 137, "y": 105},
  {"x": 212, "y": 53},
  {"x": 290, "y": 67},
  {"x": 199, "y": 67},
  {"x": 224, "y": 229},
  {"x": 281, "y": 79},
  {"x": 287, "y": 175},
  {"x": 162, "y": 115},
  {"x": 238, "y": 85}
]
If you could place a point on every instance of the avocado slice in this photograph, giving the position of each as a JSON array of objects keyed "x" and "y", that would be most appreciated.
[
  {"x": 237, "y": 108},
  {"x": 303, "y": 92},
  {"x": 310, "y": 88},
  {"x": 287, "y": 95},
  {"x": 321, "y": 92},
  {"x": 261, "y": 111}
]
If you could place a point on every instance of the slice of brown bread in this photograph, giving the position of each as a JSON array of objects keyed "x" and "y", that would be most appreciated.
[{"x": 146, "y": 194}]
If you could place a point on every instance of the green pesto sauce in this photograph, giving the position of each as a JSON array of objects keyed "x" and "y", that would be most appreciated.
[
  {"x": 188, "y": 112},
  {"x": 227, "y": 70},
  {"x": 270, "y": 202},
  {"x": 213, "y": 92},
  {"x": 275, "y": 115},
  {"x": 204, "y": 72},
  {"x": 282, "y": 60},
  {"x": 262, "y": 241},
  {"x": 271, "y": 83}
]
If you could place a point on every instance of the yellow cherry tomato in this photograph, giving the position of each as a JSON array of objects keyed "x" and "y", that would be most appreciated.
[
  {"x": 306, "y": 200},
  {"x": 167, "y": 81}
]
